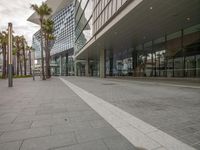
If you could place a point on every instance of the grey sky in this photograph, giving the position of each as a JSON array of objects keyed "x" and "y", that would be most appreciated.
[{"x": 17, "y": 12}]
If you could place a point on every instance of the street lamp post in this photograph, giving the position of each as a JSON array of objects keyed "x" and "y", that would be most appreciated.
[{"x": 10, "y": 46}]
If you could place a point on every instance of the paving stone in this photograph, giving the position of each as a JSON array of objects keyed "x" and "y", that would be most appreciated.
[
  {"x": 197, "y": 146},
  {"x": 52, "y": 122},
  {"x": 10, "y": 146},
  {"x": 1, "y": 133},
  {"x": 49, "y": 142},
  {"x": 93, "y": 116},
  {"x": 95, "y": 133},
  {"x": 118, "y": 143},
  {"x": 80, "y": 113},
  {"x": 51, "y": 111},
  {"x": 15, "y": 126},
  {"x": 191, "y": 139},
  {"x": 24, "y": 134},
  {"x": 24, "y": 118},
  {"x": 190, "y": 130},
  {"x": 99, "y": 123},
  {"x": 58, "y": 129},
  {"x": 7, "y": 118},
  {"x": 92, "y": 145}
]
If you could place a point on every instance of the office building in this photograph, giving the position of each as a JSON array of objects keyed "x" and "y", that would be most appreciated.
[
  {"x": 62, "y": 48},
  {"x": 140, "y": 38}
]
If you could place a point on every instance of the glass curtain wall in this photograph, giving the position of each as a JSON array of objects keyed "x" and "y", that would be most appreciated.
[
  {"x": 63, "y": 30},
  {"x": 90, "y": 16},
  {"x": 173, "y": 55},
  {"x": 83, "y": 21},
  {"x": 104, "y": 10}
]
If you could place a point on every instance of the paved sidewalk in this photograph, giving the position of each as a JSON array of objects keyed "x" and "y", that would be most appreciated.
[
  {"x": 168, "y": 107},
  {"x": 47, "y": 115}
]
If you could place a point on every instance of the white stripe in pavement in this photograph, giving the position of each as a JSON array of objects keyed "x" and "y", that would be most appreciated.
[{"x": 139, "y": 133}]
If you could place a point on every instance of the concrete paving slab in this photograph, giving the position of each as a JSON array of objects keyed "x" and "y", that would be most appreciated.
[
  {"x": 11, "y": 145},
  {"x": 92, "y": 145},
  {"x": 47, "y": 115},
  {"x": 164, "y": 106},
  {"x": 138, "y": 132},
  {"x": 24, "y": 134},
  {"x": 49, "y": 142}
]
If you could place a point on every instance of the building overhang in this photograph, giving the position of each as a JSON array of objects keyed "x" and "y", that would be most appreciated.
[
  {"x": 142, "y": 21},
  {"x": 55, "y": 5}
]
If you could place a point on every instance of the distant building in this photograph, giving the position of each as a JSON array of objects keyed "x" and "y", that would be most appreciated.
[{"x": 62, "y": 48}]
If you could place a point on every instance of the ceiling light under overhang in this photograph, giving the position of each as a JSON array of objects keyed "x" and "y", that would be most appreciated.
[{"x": 188, "y": 18}]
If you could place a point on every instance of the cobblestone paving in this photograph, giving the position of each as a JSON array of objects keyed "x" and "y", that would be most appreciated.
[
  {"x": 174, "y": 110},
  {"x": 47, "y": 115}
]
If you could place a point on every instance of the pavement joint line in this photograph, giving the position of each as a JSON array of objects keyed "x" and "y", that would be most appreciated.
[
  {"x": 136, "y": 131},
  {"x": 166, "y": 84},
  {"x": 155, "y": 83}
]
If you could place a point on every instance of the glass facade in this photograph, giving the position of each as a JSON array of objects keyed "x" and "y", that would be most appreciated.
[
  {"x": 104, "y": 10},
  {"x": 64, "y": 32},
  {"x": 173, "y": 55},
  {"x": 90, "y": 16},
  {"x": 83, "y": 23},
  {"x": 36, "y": 45}
]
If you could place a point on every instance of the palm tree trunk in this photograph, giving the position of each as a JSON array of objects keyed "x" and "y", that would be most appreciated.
[
  {"x": 49, "y": 68},
  {"x": 46, "y": 61},
  {"x": 20, "y": 64},
  {"x": 24, "y": 57},
  {"x": 30, "y": 62},
  {"x": 42, "y": 57},
  {"x": 4, "y": 61},
  {"x": 48, "y": 73}
]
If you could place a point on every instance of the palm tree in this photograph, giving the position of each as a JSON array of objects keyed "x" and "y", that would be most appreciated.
[
  {"x": 17, "y": 41},
  {"x": 48, "y": 28},
  {"x": 30, "y": 49},
  {"x": 4, "y": 43},
  {"x": 42, "y": 11},
  {"x": 23, "y": 43}
]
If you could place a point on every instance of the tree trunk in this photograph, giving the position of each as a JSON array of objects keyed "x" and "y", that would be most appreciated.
[
  {"x": 4, "y": 73},
  {"x": 30, "y": 62},
  {"x": 24, "y": 57},
  {"x": 20, "y": 65},
  {"x": 18, "y": 57},
  {"x": 42, "y": 57},
  {"x": 46, "y": 57},
  {"x": 47, "y": 52}
]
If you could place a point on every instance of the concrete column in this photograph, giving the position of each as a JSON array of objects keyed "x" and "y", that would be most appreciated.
[
  {"x": 102, "y": 64},
  {"x": 87, "y": 68},
  {"x": 66, "y": 71},
  {"x": 111, "y": 63},
  {"x": 75, "y": 68},
  {"x": 166, "y": 61},
  {"x": 60, "y": 65},
  {"x": 183, "y": 51}
]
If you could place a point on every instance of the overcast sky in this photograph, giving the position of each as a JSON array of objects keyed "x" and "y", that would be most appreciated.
[{"x": 17, "y": 12}]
